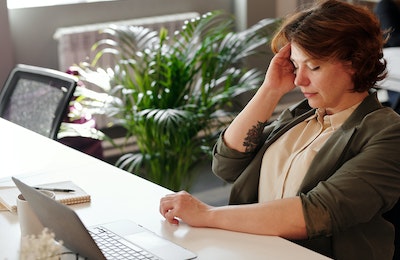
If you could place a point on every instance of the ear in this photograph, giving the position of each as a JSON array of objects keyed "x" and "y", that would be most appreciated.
[{"x": 348, "y": 65}]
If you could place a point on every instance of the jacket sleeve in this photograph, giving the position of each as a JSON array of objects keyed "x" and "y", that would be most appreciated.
[
  {"x": 228, "y": 163},
  {"x": 367, "y": 184}
]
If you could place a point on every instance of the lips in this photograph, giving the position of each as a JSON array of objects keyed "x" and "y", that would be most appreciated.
[{"x": 308, "y": 94}]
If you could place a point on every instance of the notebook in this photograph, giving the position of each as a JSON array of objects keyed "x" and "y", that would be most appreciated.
[
  {"x": 67, "y": 226},
  {"x": 9, "y": 194}
]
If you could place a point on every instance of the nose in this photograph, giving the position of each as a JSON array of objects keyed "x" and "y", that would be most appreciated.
[{"x": 301, "y": 78}]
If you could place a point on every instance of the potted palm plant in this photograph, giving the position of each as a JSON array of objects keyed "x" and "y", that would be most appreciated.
[{"x": 174, "y": 93}]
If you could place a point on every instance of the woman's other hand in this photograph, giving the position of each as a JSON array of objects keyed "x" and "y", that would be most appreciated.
[
  {"x": 280, "y": 75},
  {"x": 184, "y": 206}
]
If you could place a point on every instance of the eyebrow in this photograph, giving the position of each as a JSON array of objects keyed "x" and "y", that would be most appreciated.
[{"x": 305, "y": 61}]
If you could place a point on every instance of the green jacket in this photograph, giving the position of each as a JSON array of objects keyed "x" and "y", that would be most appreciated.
[{"x": 352, "y": 181}]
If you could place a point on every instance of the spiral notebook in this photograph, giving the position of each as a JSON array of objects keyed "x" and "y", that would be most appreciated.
[{"x": 8, "y": 195}]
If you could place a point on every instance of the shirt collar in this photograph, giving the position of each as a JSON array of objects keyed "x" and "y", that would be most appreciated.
[{"x": 336, "y": 120}]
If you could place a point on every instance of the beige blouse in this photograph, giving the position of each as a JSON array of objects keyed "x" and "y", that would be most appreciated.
[{"x": 287, "y": 160}]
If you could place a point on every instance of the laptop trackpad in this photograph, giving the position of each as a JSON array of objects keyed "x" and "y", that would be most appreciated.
[{"x": 159, "y": 246}]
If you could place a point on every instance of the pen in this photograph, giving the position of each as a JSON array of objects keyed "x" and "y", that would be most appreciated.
[{"x": 54, "y": 189}]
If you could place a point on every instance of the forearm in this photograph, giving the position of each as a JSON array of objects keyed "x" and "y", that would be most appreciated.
[
  {"x": 245, "y": 130},
  {"x": 282, "y": 218}
]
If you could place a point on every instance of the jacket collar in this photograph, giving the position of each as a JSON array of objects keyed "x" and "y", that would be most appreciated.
[{"x": 326, "y": 160}]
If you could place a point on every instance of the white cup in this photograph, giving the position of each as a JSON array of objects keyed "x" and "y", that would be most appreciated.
[{"x": 28, "y": 221}]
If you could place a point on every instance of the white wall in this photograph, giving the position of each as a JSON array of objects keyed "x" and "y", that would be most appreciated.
[
  {"x": 285, "y": 7},
  {"x": 249, "y": 12},
  {"x": 33, "y": 28}
]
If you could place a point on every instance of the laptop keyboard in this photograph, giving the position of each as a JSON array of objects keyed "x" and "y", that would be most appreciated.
[{"x": 115, "y": 247}]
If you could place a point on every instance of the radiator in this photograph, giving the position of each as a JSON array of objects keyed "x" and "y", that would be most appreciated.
[{"x": 74, "y": 43}]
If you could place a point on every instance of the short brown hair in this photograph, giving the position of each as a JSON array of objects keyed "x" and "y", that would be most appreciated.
[{"x": 334, "y": 30}]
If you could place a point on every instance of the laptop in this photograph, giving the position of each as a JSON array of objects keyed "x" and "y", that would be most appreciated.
[{"x": 125, "y": 234}]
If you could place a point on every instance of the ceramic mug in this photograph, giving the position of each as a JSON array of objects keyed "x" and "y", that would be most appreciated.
[{"x": 28, "y": 221}]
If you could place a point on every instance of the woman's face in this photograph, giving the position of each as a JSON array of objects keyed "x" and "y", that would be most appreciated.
[{"x": 326, "y": 84}]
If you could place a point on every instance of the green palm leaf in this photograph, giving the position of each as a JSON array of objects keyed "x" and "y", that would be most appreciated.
[{"x": 173, "y": 92}]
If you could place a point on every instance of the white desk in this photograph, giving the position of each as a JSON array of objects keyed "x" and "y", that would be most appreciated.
[{"x": 117, "y": 194}]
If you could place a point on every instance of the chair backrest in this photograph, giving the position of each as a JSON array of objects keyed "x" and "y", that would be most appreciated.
[{"x": 37, "y": 98}]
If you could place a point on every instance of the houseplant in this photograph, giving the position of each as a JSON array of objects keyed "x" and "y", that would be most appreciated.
[{"x": 174, "y": 93}]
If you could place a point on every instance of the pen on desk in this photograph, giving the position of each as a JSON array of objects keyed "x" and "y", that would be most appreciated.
[{"x": 54, "y": 189}]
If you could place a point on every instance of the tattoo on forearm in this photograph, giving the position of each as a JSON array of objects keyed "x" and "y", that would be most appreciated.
[{"x": 253, "y": 136}]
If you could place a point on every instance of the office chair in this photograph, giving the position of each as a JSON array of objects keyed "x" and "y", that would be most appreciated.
[{"x": 37, "y": 98}]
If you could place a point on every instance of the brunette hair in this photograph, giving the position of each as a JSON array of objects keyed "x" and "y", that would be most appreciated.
[{"x": 335, "y": 30}]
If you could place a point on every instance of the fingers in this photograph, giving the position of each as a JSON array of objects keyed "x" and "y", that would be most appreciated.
[
  {"x": 283, "y": 56},
  {"x": 166, "y": 204},
  {"x": 184, "y": 207},
  {"x": 285, "y": 48},
  {"x": 170, "y": 217},
  {"x": 284, "y": 52},
  {"x": 169, "y": 206},
  {"x": 167, "y": 211}
]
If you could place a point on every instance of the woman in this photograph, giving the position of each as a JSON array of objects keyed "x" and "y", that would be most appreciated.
[{"x": 327, "y": 169}]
